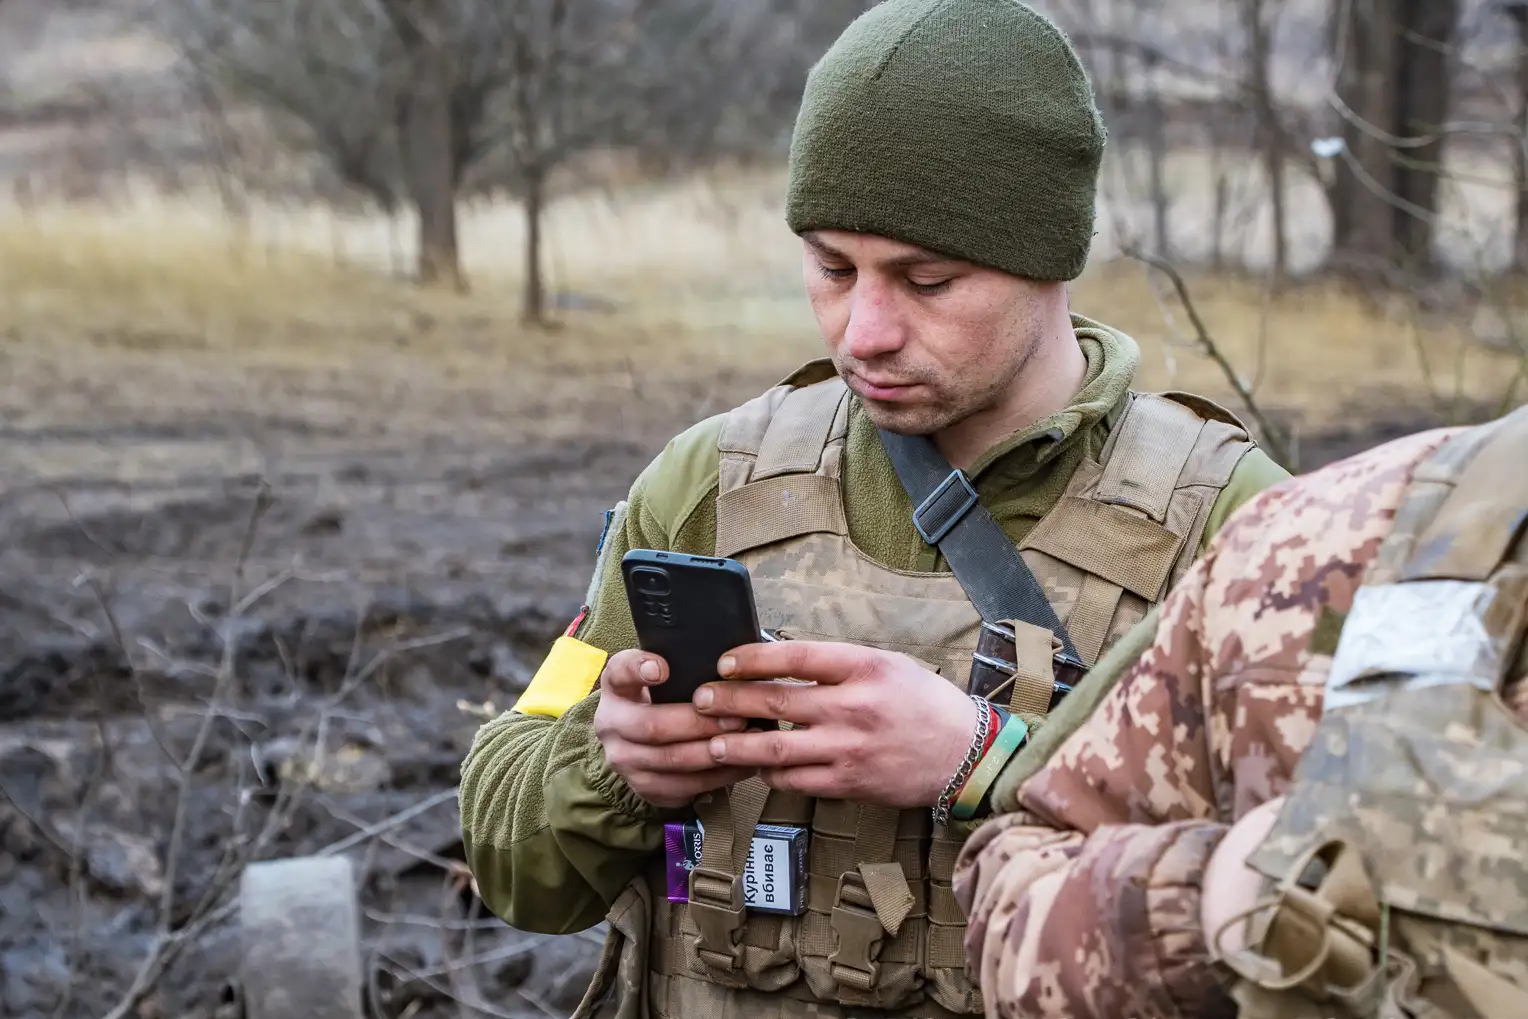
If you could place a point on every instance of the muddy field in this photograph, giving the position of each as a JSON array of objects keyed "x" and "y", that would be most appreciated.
[
  {"x": 208, "y": 574},
  {"x": 255, "y": 606}
]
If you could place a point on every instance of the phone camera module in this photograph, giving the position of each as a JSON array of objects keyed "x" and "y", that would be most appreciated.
[{"x": 652, "y": 582}]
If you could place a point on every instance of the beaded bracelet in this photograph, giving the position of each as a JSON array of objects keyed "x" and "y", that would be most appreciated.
[{"x": 941, "y": 810}]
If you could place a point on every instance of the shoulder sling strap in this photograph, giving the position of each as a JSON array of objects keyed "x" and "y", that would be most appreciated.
[{"x": 949, "y": 516}]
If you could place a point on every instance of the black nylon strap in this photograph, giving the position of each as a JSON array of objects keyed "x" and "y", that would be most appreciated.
[{"x": 949, "y": 516}]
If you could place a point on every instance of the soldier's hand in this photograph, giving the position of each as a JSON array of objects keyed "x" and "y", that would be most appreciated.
[
  {"x": 661, "y": 750},
  {"x": 880, "y": 728}
]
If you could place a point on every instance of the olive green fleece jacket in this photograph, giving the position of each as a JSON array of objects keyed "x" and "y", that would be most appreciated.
[{"x": 552, "y": 834}]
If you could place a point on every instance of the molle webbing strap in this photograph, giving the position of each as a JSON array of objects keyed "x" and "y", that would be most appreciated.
[
  {"x": 866, "y": 863},
  {"x": 886, "y": 889},
  {"x": 777, "y": 508},
  {"x": 947, "y": 921},
  {"x": 948, "y": 514},
  {"x": 799, "y": 431},
  {"x": 1153, "y": 444},
  {"x": 1109, "y": 542},
  {"x": 871, "y": 898},
  {"x": 1034, "y": 678},
  {"x": 729, "y": 817},
  {"x": 1097, "y": 603}
]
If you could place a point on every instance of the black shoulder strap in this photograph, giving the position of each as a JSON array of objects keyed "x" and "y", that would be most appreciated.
[{"x": 949, "y": 516}]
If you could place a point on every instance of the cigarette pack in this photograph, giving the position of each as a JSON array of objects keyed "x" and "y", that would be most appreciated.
[{"x": 774, "y": 879}]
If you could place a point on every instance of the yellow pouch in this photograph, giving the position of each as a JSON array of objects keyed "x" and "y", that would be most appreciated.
[{"x": 567, "y": 676}]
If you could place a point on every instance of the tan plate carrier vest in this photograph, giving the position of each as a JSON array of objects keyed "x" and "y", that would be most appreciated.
[
  {"x": 882, "y": 931},
  {"x": 1397, "y": 871}
]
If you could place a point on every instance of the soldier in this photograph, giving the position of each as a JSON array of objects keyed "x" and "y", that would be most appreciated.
[
  {"x": 942, "y": 180},
  {"x": 1326, "y": 737}
]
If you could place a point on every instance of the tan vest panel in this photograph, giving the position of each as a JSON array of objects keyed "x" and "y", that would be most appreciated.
[{"x": 882, "y": 929}]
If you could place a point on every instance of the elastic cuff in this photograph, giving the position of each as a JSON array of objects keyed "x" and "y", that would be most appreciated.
[
  {"x": 618, "y": 793},
  {"x": 1174, "y": 890}
]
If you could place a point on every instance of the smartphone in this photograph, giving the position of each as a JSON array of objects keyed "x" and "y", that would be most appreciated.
[{"x": 690, "y": 610}]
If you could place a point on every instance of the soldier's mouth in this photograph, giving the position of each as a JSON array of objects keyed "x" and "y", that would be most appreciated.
[{"x": 880, "y": 391}]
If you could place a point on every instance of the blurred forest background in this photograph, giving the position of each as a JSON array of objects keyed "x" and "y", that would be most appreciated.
[{"x": 330, "y": 328}]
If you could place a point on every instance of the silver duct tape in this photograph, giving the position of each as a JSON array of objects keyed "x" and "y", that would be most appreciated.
[{"x": 1418, "y": 634}]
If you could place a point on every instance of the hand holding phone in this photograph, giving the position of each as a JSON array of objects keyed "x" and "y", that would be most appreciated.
[
  {"x": 690, "y": 610},
  {"x": 661, "y": 750}
]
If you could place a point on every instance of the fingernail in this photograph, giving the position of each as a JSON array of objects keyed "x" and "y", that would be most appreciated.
[
  {"x": 732, "y": 724},
  {"x": 704, "y": 697},
  {"x": 649, "y": 671},
  {"x": 727, "y": 666},
  {"x": 719, "y": 749}
]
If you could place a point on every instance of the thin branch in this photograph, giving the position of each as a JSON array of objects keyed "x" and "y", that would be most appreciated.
[
  {"x": 1272, "y": 435},
  {"x": 389, "y": 823}
]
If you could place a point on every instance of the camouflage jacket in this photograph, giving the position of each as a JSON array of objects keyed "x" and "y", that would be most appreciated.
[{"x": 1084, "y": 896}]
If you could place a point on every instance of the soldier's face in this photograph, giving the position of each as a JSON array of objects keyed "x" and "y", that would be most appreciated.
[{"x": 924, "y": 340}]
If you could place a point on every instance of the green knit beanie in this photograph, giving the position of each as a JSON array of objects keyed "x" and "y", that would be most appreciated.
[{"x": 967, "y": 127}]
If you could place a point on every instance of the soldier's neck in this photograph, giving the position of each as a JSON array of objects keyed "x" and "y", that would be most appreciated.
[{"x": 1045, "y": 385}]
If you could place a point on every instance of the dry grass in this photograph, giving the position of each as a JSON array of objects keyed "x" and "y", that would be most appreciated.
[{"x": 703, "y": 283}]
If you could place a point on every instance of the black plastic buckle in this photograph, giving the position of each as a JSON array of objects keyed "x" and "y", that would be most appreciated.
[{"x": 956, "y": 477}]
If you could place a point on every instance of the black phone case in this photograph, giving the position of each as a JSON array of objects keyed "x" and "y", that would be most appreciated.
[{"x": 689, "y": 610}]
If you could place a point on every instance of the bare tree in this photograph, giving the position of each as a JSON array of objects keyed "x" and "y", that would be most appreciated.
[
  {"x": 1393, "y": 94},
  {"x": 667, "y": 80},
  {"x": 426, "y": 101},
  {"x": 389, "y": 95},
  {"x": 1260, "y": 16},
  {"x": 1517, "y": 10},
  {"x": 429, "y": 141}
]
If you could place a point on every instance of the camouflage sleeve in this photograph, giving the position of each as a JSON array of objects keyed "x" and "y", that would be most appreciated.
[
  {"x": 1085, "y": 899},
  {"x": 1084, "y": 902}
]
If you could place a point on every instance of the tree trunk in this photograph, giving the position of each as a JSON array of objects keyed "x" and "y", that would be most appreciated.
[
  {"x": 427, "y": 149},
  {"x": 1519, "y": 13},
  {"x": 1218, "y": 211},
  {"x": 1360, "y": 215},
  {"x": 1425, "y": 87},
  {"x": 533, "y": 301},
  {"x": 1156, "y": 147},
  {"x": 1270, "y": 132},
  {"x": 1394, "y": 78}
]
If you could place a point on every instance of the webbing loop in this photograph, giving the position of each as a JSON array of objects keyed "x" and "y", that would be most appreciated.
[
  {"x": 716, "y": 905},
  {"x": 859, "y": 934}
]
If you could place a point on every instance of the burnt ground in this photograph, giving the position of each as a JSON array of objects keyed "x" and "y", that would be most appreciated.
[{"x": 251, "y": 613}]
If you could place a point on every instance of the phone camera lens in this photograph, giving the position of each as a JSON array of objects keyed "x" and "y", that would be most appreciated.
[{"x": 652, "y": 582}]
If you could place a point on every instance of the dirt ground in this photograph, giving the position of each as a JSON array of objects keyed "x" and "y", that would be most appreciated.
[
  {"x": 264, "y": 572},
  {"x": 386, "y": 577},
  {"x": 214, "y": 561}
]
